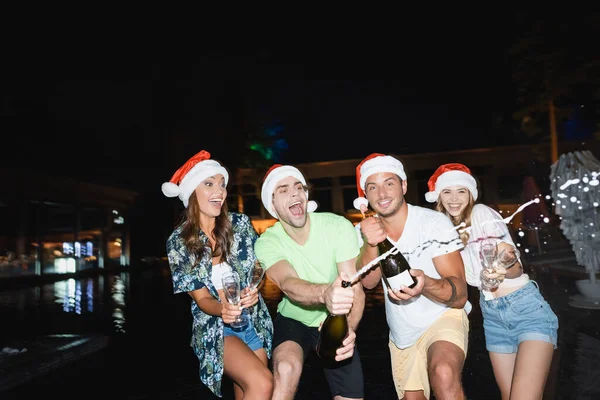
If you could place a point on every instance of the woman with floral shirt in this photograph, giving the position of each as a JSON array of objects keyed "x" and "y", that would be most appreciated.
[{"x": 208, "y": 241}]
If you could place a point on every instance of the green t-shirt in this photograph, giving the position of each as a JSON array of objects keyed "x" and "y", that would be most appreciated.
[{"x": 332, "y": 239}]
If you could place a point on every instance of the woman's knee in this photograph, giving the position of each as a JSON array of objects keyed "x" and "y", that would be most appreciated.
[
  {"x": 265, "y": 384},
  {"x": 257, "y": 381}
]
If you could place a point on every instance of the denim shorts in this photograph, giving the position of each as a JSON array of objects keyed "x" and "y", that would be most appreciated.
[
  {"x": 519, "y": 316},
  {"x": 247, "y": 335}
]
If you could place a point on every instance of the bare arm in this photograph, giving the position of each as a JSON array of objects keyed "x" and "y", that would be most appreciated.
[
  {"x": 209, "y": 305},
  {"x": 300, "y": 291},
  {"x": 451, "y": 289},
  {"x": 358, "y": 306},
  {"x": 373, "y": 276},
  {"x": 517, "y": 269},
  {"x": 337, "y": 299}
]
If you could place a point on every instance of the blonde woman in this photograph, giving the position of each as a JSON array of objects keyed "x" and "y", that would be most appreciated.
[{"x": 520, "y": 327}]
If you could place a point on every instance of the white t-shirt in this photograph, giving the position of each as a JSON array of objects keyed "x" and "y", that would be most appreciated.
[
  {"x": 217, "y": 273},
  {"x": 486, "y": 223},
  {"x": 427, "y": 234}
]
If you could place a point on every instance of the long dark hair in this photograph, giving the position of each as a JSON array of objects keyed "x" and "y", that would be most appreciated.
[{"x": 222, "y": 232}]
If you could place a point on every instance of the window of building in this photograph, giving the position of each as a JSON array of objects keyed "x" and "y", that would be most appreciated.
[
  {"x": 92, "y": 223},
  {"x": 349, "y": 195},
  {"x": 320, "y": 183},
  {"x": 348, "y": 180},
  {"x": 323, "y": 198}
]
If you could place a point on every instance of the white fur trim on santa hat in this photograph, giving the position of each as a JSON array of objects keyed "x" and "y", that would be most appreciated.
[
  {"x": 192, "y": 179},
  {"x": 360, "y": 201},
  {"x": 381, "y": 164},
  {"x": 374, "y": 166},
  {"x": 452, "y": 178},
  {"x": 271, "y": 181}
]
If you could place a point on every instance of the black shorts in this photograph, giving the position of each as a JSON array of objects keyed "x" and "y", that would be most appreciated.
[{"x": 344, "y": 379}]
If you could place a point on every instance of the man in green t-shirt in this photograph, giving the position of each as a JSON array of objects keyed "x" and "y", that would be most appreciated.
[{"x": 307, "y": 255}]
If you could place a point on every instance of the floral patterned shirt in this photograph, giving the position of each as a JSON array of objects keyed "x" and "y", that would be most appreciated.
[{"x": 207, "y": 330}]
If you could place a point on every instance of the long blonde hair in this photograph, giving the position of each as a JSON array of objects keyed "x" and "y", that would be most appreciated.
[
  {"x": 465, "y": 216},
  {"x": 222, "y": 232}
]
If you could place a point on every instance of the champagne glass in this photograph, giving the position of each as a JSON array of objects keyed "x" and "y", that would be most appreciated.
[
  {"x": 232, "y": 290},
  {"x": 507, "y": 257},
  {"x": 487, "y": 253},
  {"x": 256, "y": 274}
]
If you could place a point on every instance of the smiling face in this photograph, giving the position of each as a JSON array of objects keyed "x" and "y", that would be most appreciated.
[
  {"x": 455, "y": 199},
  {"x": 289, "y": 201},
  {"x": 385, "y": 192},
  {"x": 211, "y": 193}
]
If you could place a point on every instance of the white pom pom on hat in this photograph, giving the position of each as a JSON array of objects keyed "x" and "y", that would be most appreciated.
[
  {"x": 185, "y": 180},
  {"x": 170, "y": 189},
  {"x": 275, "y": 174}
]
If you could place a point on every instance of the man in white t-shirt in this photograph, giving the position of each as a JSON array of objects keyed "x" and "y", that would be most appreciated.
[{"x": 428, "y": 324}]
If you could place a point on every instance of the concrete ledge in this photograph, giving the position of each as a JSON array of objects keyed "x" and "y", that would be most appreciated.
[{"x": 43, "y": 355}]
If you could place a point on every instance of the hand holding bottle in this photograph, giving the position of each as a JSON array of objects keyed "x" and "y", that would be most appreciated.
[
  {"x": 347, "y": 349},
  {"x": 407, "y": 293},
  {"x": 371, "y": 228},
  {"x": 336, "y": 338},
  {"x": 339, "y": 300}
]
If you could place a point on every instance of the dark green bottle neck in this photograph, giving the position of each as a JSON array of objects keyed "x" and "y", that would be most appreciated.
[{"x": 385, "y": 246}]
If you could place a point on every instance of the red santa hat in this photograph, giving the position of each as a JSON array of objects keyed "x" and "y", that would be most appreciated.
[
  {"x": 185, "y": 180},
  {"x": 453, "y": 174},
  {"x": 275, "y": 174},
  {"x": 373, "y": 164}
]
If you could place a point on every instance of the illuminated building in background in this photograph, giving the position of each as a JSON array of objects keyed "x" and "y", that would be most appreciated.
[{"x": 59, "y": 225}]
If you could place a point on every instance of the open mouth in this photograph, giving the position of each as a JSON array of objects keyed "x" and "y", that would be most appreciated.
[
  {"x": 454, "y": 207},
  {"x": 216, "y": 202},
  {"x": 296, "y": 209}
]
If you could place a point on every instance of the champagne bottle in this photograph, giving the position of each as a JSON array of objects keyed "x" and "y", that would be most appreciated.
[
  {"x": 333, "y": 332},
  {"x": 394, "y": 268}
]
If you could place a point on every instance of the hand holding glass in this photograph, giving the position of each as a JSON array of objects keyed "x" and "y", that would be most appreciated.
[
  {"x": 487, "y": 253},
  {"x": 232, "y": 290}
]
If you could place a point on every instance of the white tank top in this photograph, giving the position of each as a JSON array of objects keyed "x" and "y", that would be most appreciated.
[{"x": 217, "y": 273}]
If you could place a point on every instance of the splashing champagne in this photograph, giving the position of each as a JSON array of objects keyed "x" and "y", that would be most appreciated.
[{"x": 460, "y": 228}]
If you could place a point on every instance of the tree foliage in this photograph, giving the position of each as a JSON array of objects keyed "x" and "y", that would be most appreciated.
[{"x": 555, "y": 59}]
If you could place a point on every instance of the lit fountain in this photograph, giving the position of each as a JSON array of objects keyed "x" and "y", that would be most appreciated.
[{"x": 574, "y": 186}]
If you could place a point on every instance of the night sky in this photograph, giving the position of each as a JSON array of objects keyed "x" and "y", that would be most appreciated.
[
  {"x": 109, "y": 111},
  {"x": 128, "y": 111}
]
